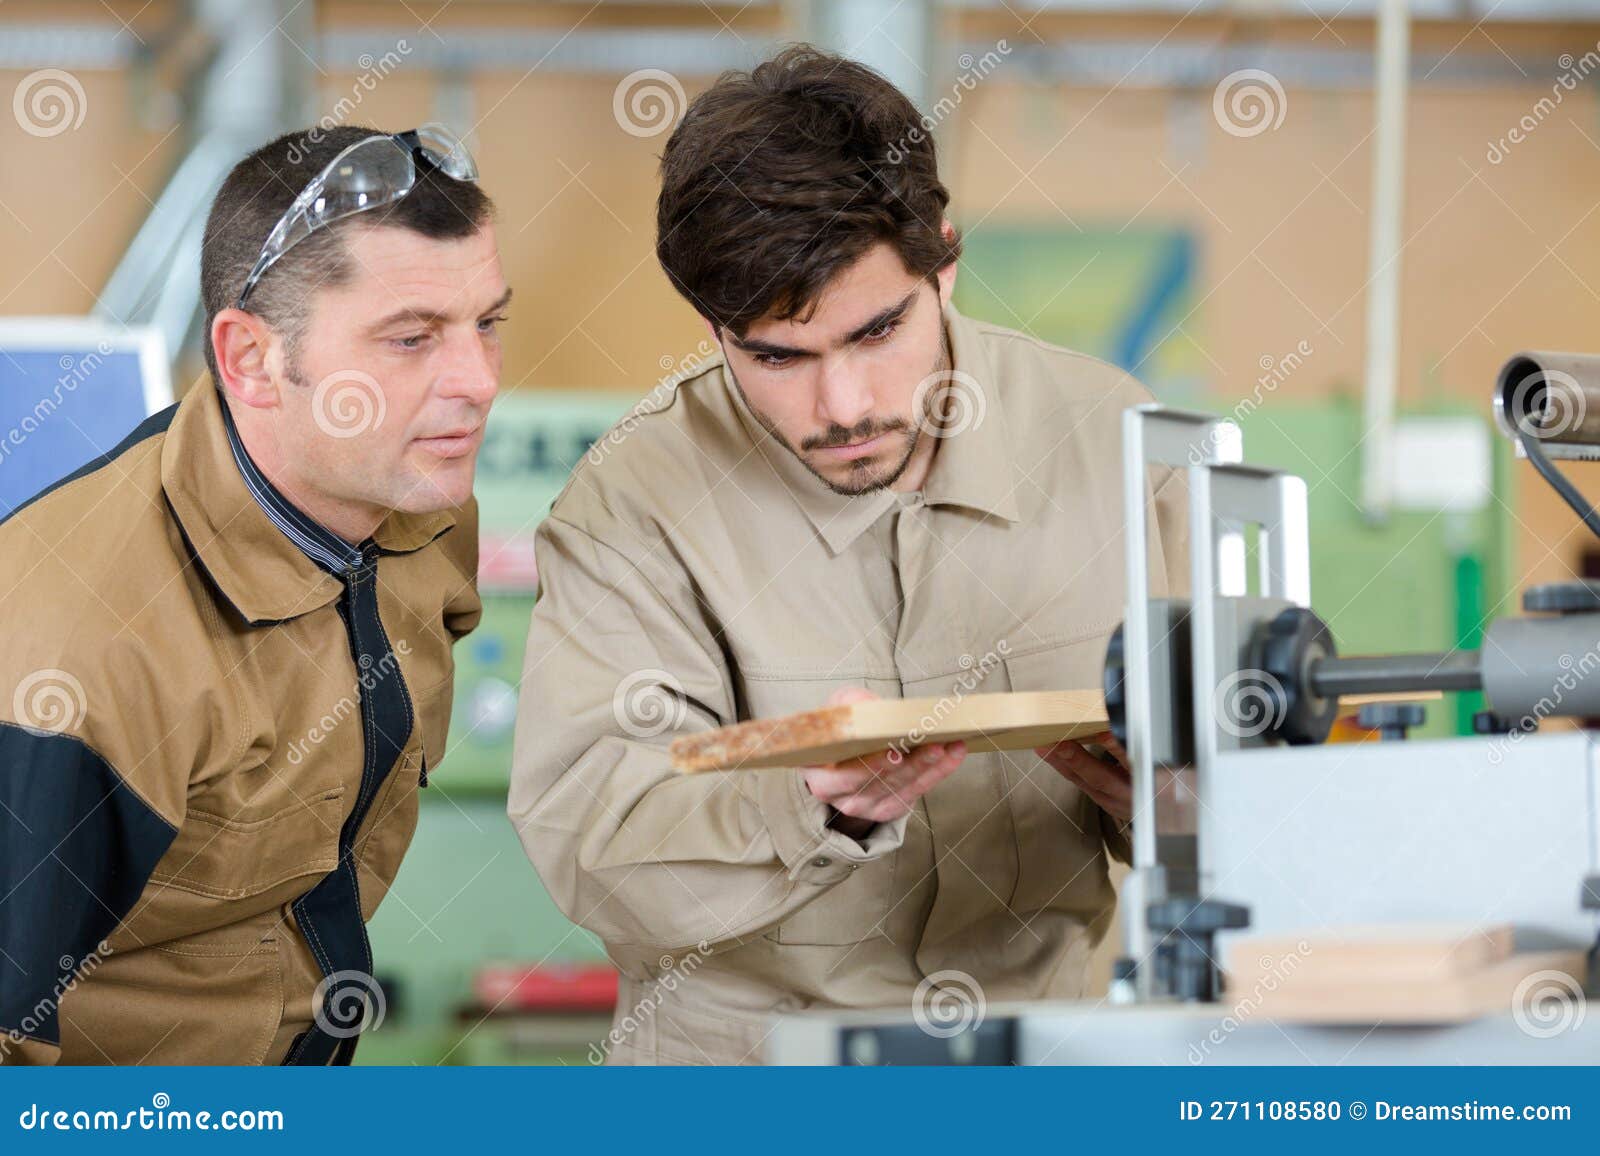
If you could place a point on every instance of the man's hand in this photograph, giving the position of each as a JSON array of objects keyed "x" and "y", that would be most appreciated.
[
  {"x": 1108, "y": 784},
  {"x": 878, "y": 788}
]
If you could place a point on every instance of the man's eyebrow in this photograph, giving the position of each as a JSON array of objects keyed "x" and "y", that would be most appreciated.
[
  {"x": 876, "y": 321},
  {"x": 882, "y": 318},
  {"x": 753, "y": 345},
  {"x": 429, "y": 317}
]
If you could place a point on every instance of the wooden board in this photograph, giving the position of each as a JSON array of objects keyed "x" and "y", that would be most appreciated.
[
  {"x": 1457, "y": 998},
  {"x": 1378, "y": 953},
  {"x": 1356, "y": 701},
  {"x": 1405, "y": 974},
  {"x": 1013, "y": 721}
]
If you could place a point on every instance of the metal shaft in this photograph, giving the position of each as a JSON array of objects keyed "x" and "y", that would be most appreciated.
[{"x": 1397, "y": 673}]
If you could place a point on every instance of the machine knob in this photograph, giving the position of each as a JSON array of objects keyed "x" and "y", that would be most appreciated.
[
  {"x": 1391, "y": 719},
  {"x": 1284, "y": 651},
  {"x": 1582, "y": 597},
  {"x": 1186, "y": 966},
  {"x": 1486, "y": 722}
]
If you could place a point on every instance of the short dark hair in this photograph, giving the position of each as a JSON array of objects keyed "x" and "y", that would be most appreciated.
[
  {"x": 261, "y": 188},
  {"x": 779, "y": 178}
]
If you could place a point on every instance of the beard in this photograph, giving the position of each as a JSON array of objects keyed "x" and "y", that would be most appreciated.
[{"x": 867, "y": 474}]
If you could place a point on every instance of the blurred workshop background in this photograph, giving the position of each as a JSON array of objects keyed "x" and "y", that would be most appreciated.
[{"x": 1323, "y": 217}]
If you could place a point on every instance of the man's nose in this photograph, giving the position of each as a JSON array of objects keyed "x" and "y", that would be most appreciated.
[
  {"x": 844, "y": 395},
  {"x": 472, "y": 374}
]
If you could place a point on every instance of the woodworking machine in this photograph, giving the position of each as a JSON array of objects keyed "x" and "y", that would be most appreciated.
[{"x": 1245, "y": 818}]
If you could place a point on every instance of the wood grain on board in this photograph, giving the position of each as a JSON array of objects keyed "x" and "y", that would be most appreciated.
[
  {"x": 1014, "y": 721},
  {"x": 985, "y": 722}
]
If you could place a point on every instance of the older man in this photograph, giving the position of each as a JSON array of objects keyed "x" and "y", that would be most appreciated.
[{"x": 227, "y": 664}]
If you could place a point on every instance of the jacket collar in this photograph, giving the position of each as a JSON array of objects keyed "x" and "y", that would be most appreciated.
[
  {"x": 972, "y": 466},
  {"x": 329, "y": 551},
  {"x": 976, "y": 463},
  {"x": 264, "y": 563}
]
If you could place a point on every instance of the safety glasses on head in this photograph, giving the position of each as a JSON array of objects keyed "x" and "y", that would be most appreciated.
[{"x": 370, "y": 174}]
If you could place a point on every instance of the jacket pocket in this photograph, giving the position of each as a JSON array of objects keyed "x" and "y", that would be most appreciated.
[
  {"x": 234, "y": 857},
  {"x": 853, "y": 910},
  {"x": 432, "y": 709},
  {"x": 209, "y": 999},
  {"x": 1061, "y": 864}
]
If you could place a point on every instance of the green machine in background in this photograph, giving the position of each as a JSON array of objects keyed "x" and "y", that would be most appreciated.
[{"x": 466, "y": 896}]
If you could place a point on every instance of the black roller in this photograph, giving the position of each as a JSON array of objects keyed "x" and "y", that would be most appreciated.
[
  {"x": 1286, "y": 650},
  {"x": 1115, "y": 692}
]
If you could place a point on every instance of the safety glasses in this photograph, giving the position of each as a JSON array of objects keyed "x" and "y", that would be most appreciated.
[{"x": 370, "y": 174}]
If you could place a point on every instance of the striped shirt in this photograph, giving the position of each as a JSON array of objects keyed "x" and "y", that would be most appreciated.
[{"x": 321, "y": 545}]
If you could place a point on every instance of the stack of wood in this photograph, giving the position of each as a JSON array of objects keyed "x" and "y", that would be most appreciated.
[{"x": 1401, "y": 974}]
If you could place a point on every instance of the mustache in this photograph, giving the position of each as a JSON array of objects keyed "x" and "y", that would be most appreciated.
[{"x": 838, "y": 435}]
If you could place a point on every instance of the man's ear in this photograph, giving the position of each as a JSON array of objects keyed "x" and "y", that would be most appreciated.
[
  {"x": 716, "y": 334},
  {"x": 947, "y": 276},
  {"x": 247, "y": 357}
]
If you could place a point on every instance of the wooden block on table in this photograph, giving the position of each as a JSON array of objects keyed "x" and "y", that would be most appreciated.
[
  {"x": 1406, "y": 974},
  {"x": 1382, "y": 952},
  {"x": 985, "y": 722},
  {"x": 1468, "y": 995}
]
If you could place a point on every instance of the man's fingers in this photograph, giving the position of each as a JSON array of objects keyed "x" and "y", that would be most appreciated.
[
  {"x": 1109, "y": 787},
  {"x": 1120, "y": 807},
  {"x": 1109, "y": 741},
  {"x": 875, "y": 788},
  {"x": 1089, "y": 772}
]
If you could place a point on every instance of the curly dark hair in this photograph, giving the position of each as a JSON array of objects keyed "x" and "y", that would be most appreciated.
[{"x": 779, "y": 178}]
